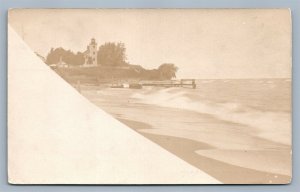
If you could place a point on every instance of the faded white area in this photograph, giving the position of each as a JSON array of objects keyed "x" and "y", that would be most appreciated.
[{"x": 56, "y": 136}]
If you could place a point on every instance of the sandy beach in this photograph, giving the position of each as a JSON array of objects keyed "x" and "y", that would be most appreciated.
[
  {"x": 149, "y": 96},
  {"x": 230, "y": 152}
]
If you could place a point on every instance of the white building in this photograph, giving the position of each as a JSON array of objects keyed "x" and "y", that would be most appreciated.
[{"x": 90, "y": 55}]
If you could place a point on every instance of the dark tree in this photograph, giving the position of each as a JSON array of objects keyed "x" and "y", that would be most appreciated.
[
  {"x": 167, "y": 71},
  {"x": 67, "y": 56},
  {"x": 112, "y": 54}
]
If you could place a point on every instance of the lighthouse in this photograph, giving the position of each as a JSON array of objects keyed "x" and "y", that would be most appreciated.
[{"x": 90, "y": 55}]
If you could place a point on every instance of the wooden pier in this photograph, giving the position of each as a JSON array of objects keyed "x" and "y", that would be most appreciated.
[{"x": 171, "y": 83}]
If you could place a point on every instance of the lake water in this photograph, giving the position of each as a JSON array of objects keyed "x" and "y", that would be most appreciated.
[
  {"x": 238, "y": 131},
  {"x": 264, "y": 104}
]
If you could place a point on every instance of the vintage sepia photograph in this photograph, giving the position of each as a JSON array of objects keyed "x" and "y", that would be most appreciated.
[{"x": 149, "y": 96}]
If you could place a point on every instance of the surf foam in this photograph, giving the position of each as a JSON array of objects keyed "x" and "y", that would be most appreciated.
[{"x": 274, "y": 126}]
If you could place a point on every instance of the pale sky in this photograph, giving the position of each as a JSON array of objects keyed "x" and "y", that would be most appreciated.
[{"x": 225, "y": 43}]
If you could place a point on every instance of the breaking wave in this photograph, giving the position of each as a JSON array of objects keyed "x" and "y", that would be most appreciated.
[{"x": 273, "y": 126}]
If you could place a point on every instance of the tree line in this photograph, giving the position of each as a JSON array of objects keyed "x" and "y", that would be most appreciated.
[
  {"x": 114, "y": 55},
  {"x": 108, "y": 54}
]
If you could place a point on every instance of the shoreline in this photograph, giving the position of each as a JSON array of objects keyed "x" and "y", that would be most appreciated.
[
  {"x": 224, "y": 172},
  {"x": 184, "y": 133}
]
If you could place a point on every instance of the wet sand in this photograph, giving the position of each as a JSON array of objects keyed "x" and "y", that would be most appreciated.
[{"x": 224, "y": 172}]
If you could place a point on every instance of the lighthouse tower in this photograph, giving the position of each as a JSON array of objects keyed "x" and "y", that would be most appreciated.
[{"x": 90, "y": 55}]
